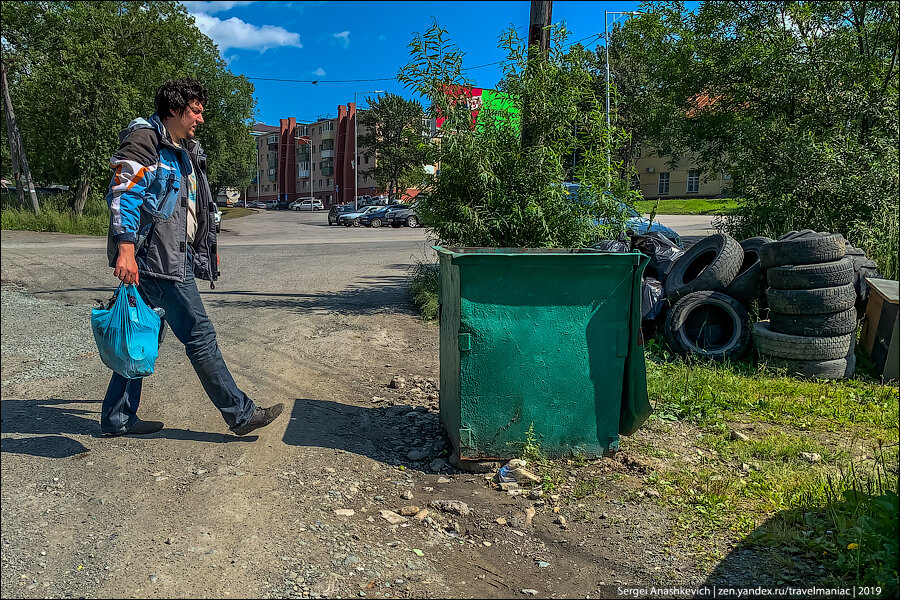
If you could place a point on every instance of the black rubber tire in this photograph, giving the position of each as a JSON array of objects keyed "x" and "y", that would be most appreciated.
[
  {"x": 816, "y": 301},
  {"x": 412, "y": 221},
  {"x": 803, "y": 251},
  {"x": 815, "y": 369},
  {"x": 798, "y": 347},
  {"x": 356, "y": 223},
  {"x": 792, "y": 235},
  {"x": 709, "y": 265},
  {"x": 804, "y": 277},
  {"x": 376, "y": 222},
  {"x": 708, "y": 324},
  {"x": 747, "y": 284},
  {"x": 825, "y": 325}
]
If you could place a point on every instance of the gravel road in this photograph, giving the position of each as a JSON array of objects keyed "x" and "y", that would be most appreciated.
[{"x": 344, "y": 496}]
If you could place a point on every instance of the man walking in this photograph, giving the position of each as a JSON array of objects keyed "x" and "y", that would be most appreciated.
[{"x": 161, "y": 237}]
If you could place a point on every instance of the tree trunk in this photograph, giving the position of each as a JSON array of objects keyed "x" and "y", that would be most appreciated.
[
  {"x": 11, "y": 136},
  {"x": 81, "y": 194}
]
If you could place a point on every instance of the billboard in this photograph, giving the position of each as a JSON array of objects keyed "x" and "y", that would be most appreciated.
[{"x": 477, "y": 99}]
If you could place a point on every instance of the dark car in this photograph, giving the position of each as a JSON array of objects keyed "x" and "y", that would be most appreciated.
[
  {"x": 282, "y": 205},
  {"x": 403, "y": 215},
  {"x": 378, "y": 218},
  {"x": 335, "y": 212}
]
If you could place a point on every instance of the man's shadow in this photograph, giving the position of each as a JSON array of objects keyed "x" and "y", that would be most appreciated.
[{"x": 53, "y": 420}]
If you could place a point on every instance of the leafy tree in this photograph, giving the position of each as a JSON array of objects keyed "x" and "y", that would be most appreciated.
[
  {"x": 398, "y": 139},
  {"x": 81, "y": 71},
  {"x": 495, "y": 190},
  {"x": 798, "y": 101}
]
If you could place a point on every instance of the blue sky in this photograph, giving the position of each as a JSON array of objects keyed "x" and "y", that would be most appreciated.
[{"x": 333, "y": 41}]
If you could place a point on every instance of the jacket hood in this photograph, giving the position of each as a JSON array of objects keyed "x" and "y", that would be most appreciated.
[{"x": 155, "y": 123}]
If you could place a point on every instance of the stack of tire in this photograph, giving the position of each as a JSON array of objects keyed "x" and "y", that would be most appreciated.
[
  {"x": 811, "y": 298},
  {"x": 710, "y": 288}
]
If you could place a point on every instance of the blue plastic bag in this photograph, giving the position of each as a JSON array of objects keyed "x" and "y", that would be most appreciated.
[{"x": 127, "y": 334}]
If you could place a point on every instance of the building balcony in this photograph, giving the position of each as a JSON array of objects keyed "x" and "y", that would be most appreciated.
[
  {"x": 303, "y": 173},
  {"x": 327, "y": 153},
  {"x": 328, "y": 135},
  {"x": 326, "y": 171}
]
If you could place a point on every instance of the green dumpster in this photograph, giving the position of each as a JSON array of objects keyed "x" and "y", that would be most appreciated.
[{"x": 540, "y": 339}]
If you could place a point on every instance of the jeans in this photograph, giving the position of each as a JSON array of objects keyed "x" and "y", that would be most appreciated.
[{"x": 187, "y": 318}]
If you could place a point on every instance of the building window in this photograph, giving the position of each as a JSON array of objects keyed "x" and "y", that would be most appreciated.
[
  {"x": 271, "y": 171},
  {"x": 320, "y": 130},
  {"x": 367, "y": 159},
  {"x": 320, "y": 183},
  {"x": 313, "y": 149},
  {"x": 663, "y": 189},
  {"x": 365, "y": 179},
  {"x": 304, "y": 131},
  {"x": 273, "y": 139},
  {"x": 329, "y": 126},
  {"x": 306, "y": 184},
  {"x": 693, "y": 182},
  {"x": 330, "y": 182}
]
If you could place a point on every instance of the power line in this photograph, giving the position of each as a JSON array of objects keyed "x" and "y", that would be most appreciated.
[{"x": 318, "y": 81}]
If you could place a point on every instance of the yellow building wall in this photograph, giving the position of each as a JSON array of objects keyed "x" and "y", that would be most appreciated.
[{"x": 649, "y": 166}]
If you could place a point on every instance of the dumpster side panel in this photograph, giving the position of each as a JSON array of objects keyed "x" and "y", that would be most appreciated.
[
  {"x": 546, "y": 347},
  {"x": 448, "y": 316}
]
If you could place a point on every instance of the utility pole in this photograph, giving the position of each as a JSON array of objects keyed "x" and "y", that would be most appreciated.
[
  {"x": 17, "y": 150},
  {"x": 539, "y": 26},
  {"x": 538, "y": 49}
]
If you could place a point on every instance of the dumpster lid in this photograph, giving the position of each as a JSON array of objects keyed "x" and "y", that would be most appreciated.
[
  {"x": 886, "y": 288},
  {"x": 461, "y": 251}
]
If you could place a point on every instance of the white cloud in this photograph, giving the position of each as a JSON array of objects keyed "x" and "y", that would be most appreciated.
[
  {"x": 211, "y": 8},
  {"x": 344, "y": 35},
  {"x": 234, "y": 33},
  {"x": 320, "y": 72}
]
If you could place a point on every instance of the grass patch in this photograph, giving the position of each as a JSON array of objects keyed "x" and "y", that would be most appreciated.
[
  {"x": 688, "y": 206},
  {"x": 424, "y": 282},
  {"x": 235, "y": 212},
  {"x": 56, "y": 214},
  {"x": 838, "y": 511}
]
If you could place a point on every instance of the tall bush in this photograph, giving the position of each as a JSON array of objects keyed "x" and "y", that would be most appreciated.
[{"x": 498, "y": 187}]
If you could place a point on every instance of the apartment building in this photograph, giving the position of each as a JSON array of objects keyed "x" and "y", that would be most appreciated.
[
  {"x": 658, "y": 180},
  {"x": 311, "y": 160}
]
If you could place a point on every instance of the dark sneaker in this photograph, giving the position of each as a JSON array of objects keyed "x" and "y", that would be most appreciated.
[
  {"x": 260, "y": 418},
  {"x": 140, "y": 428}
]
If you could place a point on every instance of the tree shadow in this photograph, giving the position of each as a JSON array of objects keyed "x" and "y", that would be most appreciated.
[
  {"x": 47, "y": 446},
  {"x": 773, "y": 556},
  {"x": 387, "y": 293},
  {"x": 386, "y": 433}
]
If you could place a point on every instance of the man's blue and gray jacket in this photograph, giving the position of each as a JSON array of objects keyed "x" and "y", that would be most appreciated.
[{"x": 148, "y": 198}]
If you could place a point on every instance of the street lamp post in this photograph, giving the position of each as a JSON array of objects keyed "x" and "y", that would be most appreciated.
[
  {"x": 606, "y": 37},
  {"x": 356, "y": 145}
]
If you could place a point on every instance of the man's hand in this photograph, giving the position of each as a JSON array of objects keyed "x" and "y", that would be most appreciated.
[{"x": 126, "y": 266}]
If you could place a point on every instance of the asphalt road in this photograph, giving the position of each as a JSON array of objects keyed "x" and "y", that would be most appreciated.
[{"x": 316, "y": 317}]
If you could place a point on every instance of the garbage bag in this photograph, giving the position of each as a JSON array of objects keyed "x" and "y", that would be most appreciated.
[
  {"x": 652, "y": 298},
  {"x": 662, "y": 252},
  {"x": 612, "y": 246},
  {"x": 127, "y": 334}
]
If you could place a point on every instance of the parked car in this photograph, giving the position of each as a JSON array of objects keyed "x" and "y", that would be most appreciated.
[
  {"x": 402, "y": 215},
  {"x": 352, "y": 218},
  {"x": 307, "y": 204},
  {"x": 634, "y": 221},
  {"x": 337, "y": 210},
  {"x": 282, "y": 205},
  {"x": 377, "y": 218},
  {"x": 217, "y": 217}
]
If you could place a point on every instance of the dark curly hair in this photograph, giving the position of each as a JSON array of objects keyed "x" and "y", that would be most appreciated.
[{"x": 175, "y": 95}]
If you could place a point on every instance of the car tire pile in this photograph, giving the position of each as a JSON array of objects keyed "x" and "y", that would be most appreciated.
[
  {"x": 814, "y": 291},
  {"x": 709, "y": 289},
  {"x": 813, "y": 284}
]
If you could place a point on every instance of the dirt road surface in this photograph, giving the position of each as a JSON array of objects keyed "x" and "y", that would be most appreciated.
[{"x": 315, "y": 317}]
